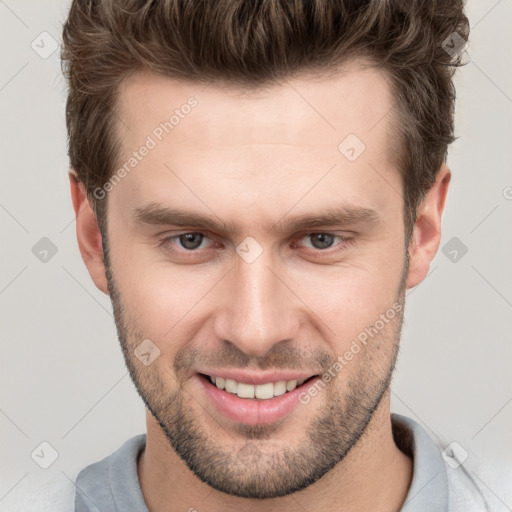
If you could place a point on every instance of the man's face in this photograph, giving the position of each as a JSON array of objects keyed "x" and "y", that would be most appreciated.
[{"x": 260, "y": 300}]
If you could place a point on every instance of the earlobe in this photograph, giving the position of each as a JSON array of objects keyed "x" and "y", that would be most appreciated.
[
  {"x": 88, "y": 233},
  {"x": 427, "y": 229}
]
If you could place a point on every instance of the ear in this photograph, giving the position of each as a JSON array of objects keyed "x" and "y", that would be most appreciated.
[
  {"x": 88, "y": 234},
  {"x": 427, "y": 229}
]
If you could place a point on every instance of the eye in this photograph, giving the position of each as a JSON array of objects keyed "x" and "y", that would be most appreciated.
[
  {"x": 192, "y": 243},
  {"x": 188, "y": 241},
  {"x": 323, "y": 241},
  {"x": 191, "y": 240}
]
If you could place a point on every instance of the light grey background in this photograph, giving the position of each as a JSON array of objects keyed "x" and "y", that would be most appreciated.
[{"x": 62, "y": 374}]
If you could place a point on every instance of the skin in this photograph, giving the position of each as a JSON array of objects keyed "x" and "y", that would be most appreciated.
[{"x": 254, "y": 158}]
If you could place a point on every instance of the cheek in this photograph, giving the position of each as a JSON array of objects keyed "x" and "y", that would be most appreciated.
[
  {"x": 164, "y": 301},
  {"x": 348, "y": 300},
  {"x": 160, "y": 300}
]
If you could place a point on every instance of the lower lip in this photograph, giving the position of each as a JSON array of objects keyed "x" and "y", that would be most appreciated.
[{"x": 253, "y": 411}]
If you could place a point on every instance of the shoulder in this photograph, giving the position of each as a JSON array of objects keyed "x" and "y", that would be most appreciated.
[
  {"x": 464, "y": 493},
  {"x": 112, "y": 482},
  {"x": 99, "y": 486},
  {"x": 442, "y": 477},
  {"x": 52, "y": 492}
]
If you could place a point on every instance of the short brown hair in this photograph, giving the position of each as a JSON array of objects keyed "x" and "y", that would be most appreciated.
[{"x": 260, "y": 42}]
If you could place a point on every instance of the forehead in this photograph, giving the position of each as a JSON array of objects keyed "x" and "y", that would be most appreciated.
[
  {"x": 352, "y": 99},
  {"x": 272, "y": 141}
]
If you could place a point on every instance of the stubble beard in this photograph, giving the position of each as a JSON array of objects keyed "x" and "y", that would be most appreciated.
[{"x": 259, "y": 467}]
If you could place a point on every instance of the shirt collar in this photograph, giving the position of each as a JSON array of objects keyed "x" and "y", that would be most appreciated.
[
  {"x": 428, "y": 490},
  {"x": 429, "y": 485}
]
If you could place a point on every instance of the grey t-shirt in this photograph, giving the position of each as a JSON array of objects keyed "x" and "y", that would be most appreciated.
[{"x": 112, "y": 485}]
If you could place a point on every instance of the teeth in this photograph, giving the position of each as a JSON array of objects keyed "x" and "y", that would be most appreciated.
[
  {"x": 291, "y": 384},
  {"x": 261, "y": 391},
  {"x": 245, "y": 390},
  {"x": 230, "y": 386},
  {"x": 280, "y": 388}
]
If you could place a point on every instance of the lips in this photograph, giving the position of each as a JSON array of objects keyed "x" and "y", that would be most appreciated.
[{"x": 253, "y": 399}]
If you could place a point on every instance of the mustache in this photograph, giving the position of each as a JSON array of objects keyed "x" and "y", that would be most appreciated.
[{"x": 280, "y": 356}]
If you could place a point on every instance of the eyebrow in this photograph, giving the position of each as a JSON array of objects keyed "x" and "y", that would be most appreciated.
[{"x": 160, "y": 215}]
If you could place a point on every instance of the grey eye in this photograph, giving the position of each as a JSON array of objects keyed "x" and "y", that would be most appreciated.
[
  {"x": 324, "y": 240},
  {"x": 191, "y": 240}
]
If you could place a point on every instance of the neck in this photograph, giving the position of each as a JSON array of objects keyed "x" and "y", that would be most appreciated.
[{"x": 374, "y": 476}]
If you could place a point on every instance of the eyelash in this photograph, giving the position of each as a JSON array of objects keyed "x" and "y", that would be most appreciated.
[{"x": 344, "y": 243}]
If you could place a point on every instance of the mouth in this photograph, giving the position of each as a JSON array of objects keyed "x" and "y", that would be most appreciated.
[
  {"x": 264, "y": 391},
  {"x": 256, "y": 400}
]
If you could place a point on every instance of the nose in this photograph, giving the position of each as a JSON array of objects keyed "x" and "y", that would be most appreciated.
[{"x": 256, "y": 309}]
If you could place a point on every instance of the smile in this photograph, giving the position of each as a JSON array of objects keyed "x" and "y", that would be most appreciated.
[
  {"x": 253, "y": 399},
  {"x": 264, "y": 391}
]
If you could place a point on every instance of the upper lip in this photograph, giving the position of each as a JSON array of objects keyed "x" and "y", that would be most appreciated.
[{"x": 256, "y": 377}]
